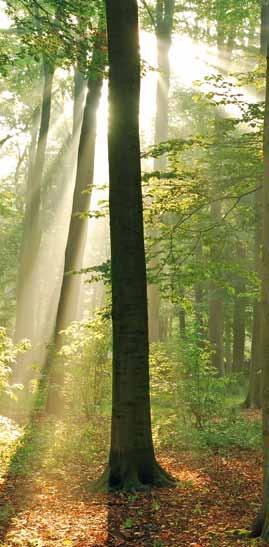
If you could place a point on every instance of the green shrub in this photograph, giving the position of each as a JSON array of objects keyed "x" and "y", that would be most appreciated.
[
  {"x": 8, "y": 355},
  {"x": 87, "y": 361},
  {"x": 192, "y": 406}
]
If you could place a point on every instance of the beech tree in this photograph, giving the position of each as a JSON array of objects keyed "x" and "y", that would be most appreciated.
[
  {"x": 262, "y": 524},
  {"x": 77, "y": 235},
  {"x": 163, "y": 26},
  {"x": 31, "y": 232},
  {"x": 132, "y": 463}
]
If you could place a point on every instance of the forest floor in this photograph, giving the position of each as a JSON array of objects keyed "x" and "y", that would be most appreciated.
[{"x": 214, "y": 503}]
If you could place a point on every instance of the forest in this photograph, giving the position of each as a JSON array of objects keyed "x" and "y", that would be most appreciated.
[{"x": 134, "y": 273}]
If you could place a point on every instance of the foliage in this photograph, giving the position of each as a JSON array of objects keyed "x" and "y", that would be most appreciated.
[
  {"x": 192, "y": 405},
  {"x": 204, "y": 391},
  {"x": 184, "y": 378},
  {"x": 9, "y": 248},
  {"x": 10, "y": 433},
  {"x": 8, "y": 355},
  {"x": 178, "y": 202},
  {"x": 86, "y": 354},
  {"x": 63, "y": 34}
]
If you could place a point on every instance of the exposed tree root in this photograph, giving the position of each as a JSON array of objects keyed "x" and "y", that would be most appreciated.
[
  {"x": 132, "y": 480},
  {"x": 258, "y": 526}
]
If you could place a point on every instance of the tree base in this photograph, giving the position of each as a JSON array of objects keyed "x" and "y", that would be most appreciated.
[
  {"x": 132, "y": 480},
  {"x": 258, "y": 526},
  {"x": 251, "y": 405},
  {"x": 265, "y": 532}
]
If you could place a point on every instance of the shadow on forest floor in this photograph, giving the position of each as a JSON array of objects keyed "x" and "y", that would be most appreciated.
[
  {"x": 45, "y": 506},
  {"x": 16, "y": 485}
]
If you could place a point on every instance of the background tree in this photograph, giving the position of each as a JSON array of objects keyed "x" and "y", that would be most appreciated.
[
  {"x": 69, "y": 299},
  {"x": 265, "y": 285}
]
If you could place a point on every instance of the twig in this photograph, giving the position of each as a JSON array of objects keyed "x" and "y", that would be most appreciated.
[
  {"x": 237, "y": 198},
  {"x": 145, "y": 4}
]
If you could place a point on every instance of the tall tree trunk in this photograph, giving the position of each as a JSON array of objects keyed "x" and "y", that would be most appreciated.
[
  {"x": 25, "y": 319},
  {"x": 265, "y": 313},
  {"x": 163, "y": 29},
  {"x": 215, "y": 317},
  {"x": 132, "y": 463},
  {"x": 198, "y": 310},
  {"x": 239, "y": 326},
  {"x": 80, "y": 88},
  {"x": 26, "y": 302},
  {"x": 239, "y": 316},
  {"x": 215, "y": 325},
  {"x": 265, "y": 289},
  {"x": 254, "y": 396},
  {"x": 199, "y": 298},
  {"x": 182, "y": 322},
  {"x": 228, "y": 352},
  {"x": 77, "y": 235}
]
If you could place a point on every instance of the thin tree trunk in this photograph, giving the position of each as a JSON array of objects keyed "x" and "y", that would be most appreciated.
[
  {"x": 265, "y": 314},
  {"x": 182, "y": 323},
  {"x": 254, "y": 396},
  {"x": 31, "y": 231},
  {"x": 26, "y": 302},
  {"x": 239, "y": 326},
  {"x": 77, "y": 236},
  {"x": 239, "y": 314},
  {"x": 132, "y": 463},
  {"x": 264, "y": 521},
  {"x": 239, "y": 330},
  {"x": 164, "y": 24},
  {"x": 199, "y": 298},
  {"x": 228, "y": 353},
  {"x": 215, "y": 318},
  {"x": 215, "y": 325},
  {"x": 80, "y": 88}
]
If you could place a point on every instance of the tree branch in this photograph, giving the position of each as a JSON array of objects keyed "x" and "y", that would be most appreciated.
[{"x": 151, "y": 16}]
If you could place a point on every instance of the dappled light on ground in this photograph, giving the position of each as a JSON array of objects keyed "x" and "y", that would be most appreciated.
[{"x": 47, "y": 501}]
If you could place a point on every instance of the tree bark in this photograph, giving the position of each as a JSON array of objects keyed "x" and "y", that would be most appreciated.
[
  {"x": 164, "y": 25},
  {"x": 182, "y": 323},
  {"x": 163, "y": 29},
  {"x": 80, "y": 88},
  {"x": 254, "y": 396},
  {"x": 26, "y": 302},
  {"x": 199, "y": 298},
  {"x": 25, "y": 312},
  {"x": 215, "y": 318},
  {"x": 265, "y": 316},
  {"x": 215, "y": 325},
  {"x": 239, "y": 315},
  {"x": 132, "y": 463},
  {"x": 239, "y": 325},
  {"x": 265, "y": 294},
  {"x": 228, "y": 352},
  {"x": 76, "y": 241}
]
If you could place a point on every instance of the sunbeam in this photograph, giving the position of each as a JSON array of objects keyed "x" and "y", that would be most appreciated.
[{"x": 136, "y": 366}]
